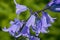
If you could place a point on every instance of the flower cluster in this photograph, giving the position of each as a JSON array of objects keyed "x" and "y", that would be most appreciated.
[{"x": 39, "y": 25}]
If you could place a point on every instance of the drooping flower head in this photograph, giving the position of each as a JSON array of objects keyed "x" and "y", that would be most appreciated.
[
  {"x": 20, "y": 8},
  {"x": 14, "y": 28},
  {"x": 48, "y": 17},
  {"x": 43, "y": 23}
]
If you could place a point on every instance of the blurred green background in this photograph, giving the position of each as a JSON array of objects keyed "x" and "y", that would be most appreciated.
[{"x": 7, "y": 13}]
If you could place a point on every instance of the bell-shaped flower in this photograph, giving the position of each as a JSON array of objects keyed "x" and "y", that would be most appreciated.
[
  {"x": 14, "y": 28},
  {"x": 26, "y": 29},
  {"x": 49, "y": 19},
  {"x": 31, "y": 21},
  {"x": 43, "y": 23},
  {"x": 46, "y": 20},
  {"x": 41, "y": 26},
  {"x": 20, "y": 8}
]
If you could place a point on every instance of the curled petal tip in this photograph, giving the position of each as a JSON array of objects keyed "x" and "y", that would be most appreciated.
[
  {"x": 18, "y": 35},
  {"x": 4, "y": 29},
  {"x": 20, "y": 8},
  {"x": 11, "y": 22}
]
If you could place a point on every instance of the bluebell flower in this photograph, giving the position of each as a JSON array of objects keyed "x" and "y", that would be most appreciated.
[
  {"x": 29, "y": 23},
  {"x": 46, "y": 20},
  {"x": 55, "y": 5},
  {"x": 34, "y": 38},
  {"x": 26, "y": 29},
  {"x": 14, "y": 28},
  {"x": 49, "y": 19},
  {"x": 41, "y": 26},
  {"x": 43, "y": 23},
  {"x": 20, "y": 8}
]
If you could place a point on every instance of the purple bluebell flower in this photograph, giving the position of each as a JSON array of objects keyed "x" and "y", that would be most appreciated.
[
  {"x": 34, "y": 38},
  {"x": 55, "y": 5},
  {"x": 49, "y": 19},
  {"x": 26, "y": 29},
  {"x": 20, "y": 8},
  {"x": 43, "y": 23},
  {"x": 46, "y": 20},
  {"x": 41, "y": 26},
  {"x": 31, "y": 21},
  {"x": 14, "y": 28}
]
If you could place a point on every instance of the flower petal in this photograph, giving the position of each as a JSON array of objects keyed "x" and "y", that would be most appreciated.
[
  {"x": 34, "y": 38},
  {"x": 31, "y": 21},
  {"x": 4, "y": 29},
  {"x": 51, "y": 3},
  {"x": 14, "y": 28},
  {"x": 11, "y": 22},
  {"x": 25, "y": 31},
  {"x": 20, "y": 8}
]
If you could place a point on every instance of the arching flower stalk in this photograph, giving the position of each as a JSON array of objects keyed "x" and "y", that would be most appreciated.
[{"x": 39, "y": 25}]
